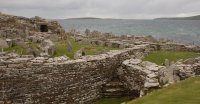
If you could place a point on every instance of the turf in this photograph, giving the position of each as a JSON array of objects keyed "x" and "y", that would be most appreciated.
[
  {"x": 185, "y": 92},
  {"x": 19, "y": 50},
  {"x": 159, "y": 57},
  {"x": 61, "y": 48}
]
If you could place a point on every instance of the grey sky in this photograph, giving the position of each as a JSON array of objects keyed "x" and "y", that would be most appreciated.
[{"x": 132, "y": 9}]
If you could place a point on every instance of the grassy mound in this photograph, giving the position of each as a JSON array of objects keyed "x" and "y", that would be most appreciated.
[
  {"x": 185, "y": 92},
  {"x": 159, "y": 57}
]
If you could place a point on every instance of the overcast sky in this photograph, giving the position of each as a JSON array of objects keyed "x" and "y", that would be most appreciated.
[{"x": 127, "y": 9}]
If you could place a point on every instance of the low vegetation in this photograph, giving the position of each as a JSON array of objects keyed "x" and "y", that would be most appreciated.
[
  {"x": 22, "y": 50},
  {"x": 61, "y": 48},
  {"x": 159, "y": 57},
  {"x": 185, "y": 92},
  {"x": 17, "y": 49}
]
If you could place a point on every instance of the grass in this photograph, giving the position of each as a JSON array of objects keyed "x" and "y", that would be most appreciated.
[
  {"x": 61, "y": 48},
  {"x": 20, "y": 49},
  {"x": 112, "y": 100},
  {"x": 159, "y": 57},
  {"x": 17, "y": 49},
  {"x": 184, "y": 92}
]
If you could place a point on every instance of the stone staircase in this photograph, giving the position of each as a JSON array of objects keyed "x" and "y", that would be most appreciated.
[{"x": 114, "y": 89}]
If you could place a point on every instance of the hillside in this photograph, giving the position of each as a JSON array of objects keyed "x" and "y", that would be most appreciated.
[
  {"x": 185, "y": 92},
  {"x": 183, "y": 18},
  {"x": 85, "y": 18}
]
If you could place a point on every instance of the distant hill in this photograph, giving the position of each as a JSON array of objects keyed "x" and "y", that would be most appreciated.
[
  {"x": 183, "y": 18},
  {"x": 85, "y": 18}
]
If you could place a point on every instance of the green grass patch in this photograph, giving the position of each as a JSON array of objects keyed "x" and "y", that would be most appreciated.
[
  {"x": 185, "y": 92},
  {"x": 21, "y": 50},
  {"x": 112, "y": 100},
  {"x": 159, "y": 57},
  {"x": 17, "y": 49},
  {"x": 61, "y": 48}
]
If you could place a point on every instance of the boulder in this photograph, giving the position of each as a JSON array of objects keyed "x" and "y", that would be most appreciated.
[{"x": 151, "y": 85}]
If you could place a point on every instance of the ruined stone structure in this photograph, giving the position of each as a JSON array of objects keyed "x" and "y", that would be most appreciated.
[
  {"x": 38, "y": 80},
  {"x": 15, "y": 26},
  {"x": 42, "y": 80}
]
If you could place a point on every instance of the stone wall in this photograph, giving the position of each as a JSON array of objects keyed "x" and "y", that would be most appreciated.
[
  {"x": 175, "y": 47},
  {"x": 121, "y": 43},
  {"x": 39, "y": 80},
  {"x": 140, "y": 76}
]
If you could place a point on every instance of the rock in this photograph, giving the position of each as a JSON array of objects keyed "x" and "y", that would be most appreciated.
[
  {"x": 151, "y": 85},
  {"x": 61, "y": 59},
  {"x": 79, "y": 53},
  {"x": 135, "y": 61},
  {"x": 27, "y": 56},
  {"x": 169, "y": 74},
  {"x": 152, "y": 75},
  {"x": 33, "y": 51},
  {"x": 167, "y": 63},
  {"x": 9, "y": 42},
  {"x": 132, "y": 61},
  {"x": 3, "y": 44},
  {"x": 49, "y": 47},
  {"x": 38, "y": 60},
  {"x": 44, "y": 54},
  {"x": 13, "y": 55},
  {"x": 150, "y": 66}
]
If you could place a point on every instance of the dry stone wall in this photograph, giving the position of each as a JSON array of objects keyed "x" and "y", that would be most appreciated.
[{"x": 41, "y": 81}]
